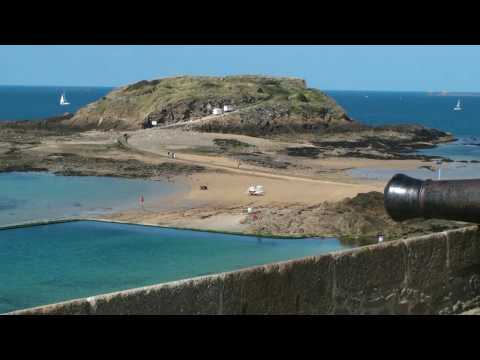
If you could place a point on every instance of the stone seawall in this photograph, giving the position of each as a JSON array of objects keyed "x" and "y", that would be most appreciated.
[{"x": 434, "y": 274}]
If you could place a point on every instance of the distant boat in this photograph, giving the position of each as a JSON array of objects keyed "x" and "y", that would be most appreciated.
[
  {"x": 63, "y": 100},
  {"x": 458, "y": 107}
]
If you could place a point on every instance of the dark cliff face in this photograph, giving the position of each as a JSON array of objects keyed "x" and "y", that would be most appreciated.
[
  {"x": 275, "y": 119},
  {"x": 263, "y": 105}
]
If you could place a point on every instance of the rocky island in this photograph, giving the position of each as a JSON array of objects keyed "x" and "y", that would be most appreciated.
[{"x": 294, "y": 140}]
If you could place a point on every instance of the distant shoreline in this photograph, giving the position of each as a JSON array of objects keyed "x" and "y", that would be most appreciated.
[{"x": 463, "y": 94}]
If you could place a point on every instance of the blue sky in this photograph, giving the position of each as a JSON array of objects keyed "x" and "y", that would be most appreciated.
[{"x": 436, "y": 68}]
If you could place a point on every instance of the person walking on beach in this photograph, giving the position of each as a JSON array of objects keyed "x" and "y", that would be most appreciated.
[{"x": 142, "y": 200}]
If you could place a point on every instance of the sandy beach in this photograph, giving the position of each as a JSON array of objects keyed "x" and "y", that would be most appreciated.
[
  {"x": 223, "y": 207},
  {"x": 290, "y": 182}
]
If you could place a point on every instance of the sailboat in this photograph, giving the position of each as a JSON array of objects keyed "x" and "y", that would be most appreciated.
[
  {"x": 458, "y": 107},
  {"x": 63, "y": 100}
]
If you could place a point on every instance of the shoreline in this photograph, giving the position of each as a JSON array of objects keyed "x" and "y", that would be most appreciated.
[
  {"x": 328, "y": 211},
  {"x": 227, "y": 164},
  {"x": 102, "y": 220}
]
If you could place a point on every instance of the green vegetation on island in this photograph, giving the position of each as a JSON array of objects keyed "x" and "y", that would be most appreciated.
[{"x": 262, "y": 105}]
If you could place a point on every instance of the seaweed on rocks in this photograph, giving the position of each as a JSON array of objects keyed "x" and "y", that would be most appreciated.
[
  {"x": 306, "y": 151},
  {"x": 263, "y": 160}
]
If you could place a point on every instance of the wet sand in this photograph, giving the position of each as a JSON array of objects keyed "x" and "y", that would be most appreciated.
[
  {"x": 223, "y": 207},
  {"x": 305, "y": 182}
]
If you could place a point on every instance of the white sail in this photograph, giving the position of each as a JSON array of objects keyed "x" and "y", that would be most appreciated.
[
  {"x": 63, "y": 100},
  {"x": 458, "y": 107}
]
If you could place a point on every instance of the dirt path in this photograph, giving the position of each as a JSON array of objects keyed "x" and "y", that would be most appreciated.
[{"x": 220, "y": 163}]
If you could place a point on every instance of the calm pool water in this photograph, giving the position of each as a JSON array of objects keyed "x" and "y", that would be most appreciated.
[
  {"x": 51, "y": 263},
  {"x": 35, "y": 196}
]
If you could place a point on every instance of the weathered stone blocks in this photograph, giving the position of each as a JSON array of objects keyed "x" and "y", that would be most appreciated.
[
  {"x": 463, "y": 248},
  {"x": 427, "y": 261},
  {"x": 302, "y": 286},
  {"x": 191, "y": 297}
]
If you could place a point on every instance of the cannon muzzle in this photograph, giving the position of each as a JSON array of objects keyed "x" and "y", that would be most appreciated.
[{"x": 408, "y": 198}]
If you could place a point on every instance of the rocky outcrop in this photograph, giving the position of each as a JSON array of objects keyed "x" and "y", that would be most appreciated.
[
  {"x": 361, "y": 141},
  {"x": 262, "y": 105},
  {"x": 68, "y": 164},
  {"x": 355, "y": 220}
]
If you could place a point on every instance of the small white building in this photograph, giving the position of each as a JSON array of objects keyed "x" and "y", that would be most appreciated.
[
  {"x": 217, "y": 111},
  {"x": 154, "y": 123},
  {"x": 228, "y": 108}
]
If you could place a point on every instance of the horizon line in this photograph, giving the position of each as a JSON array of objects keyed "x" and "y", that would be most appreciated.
[{"x": 324, "y": 90}]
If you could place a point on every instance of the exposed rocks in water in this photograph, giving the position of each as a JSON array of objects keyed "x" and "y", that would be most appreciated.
[
  {"x": 307, "y": 151},
  {"x": 395, "y": 142},
  {"x": 80, "y": 166},
  {"x": 75, "y": 165},
  {"x": 355, "y": 220},
  {"x": 52, "y": 126}
]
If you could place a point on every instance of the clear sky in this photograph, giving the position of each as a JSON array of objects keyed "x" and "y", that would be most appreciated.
[{"x": 358, "y": 67}]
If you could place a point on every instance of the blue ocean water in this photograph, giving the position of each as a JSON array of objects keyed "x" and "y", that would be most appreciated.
[
  {"x": 434, "y": 111},
  {"x": 35, "y": 196},
  {"x": 37, "y": 102},
  {"x": 51, "y": 263},
  {"x": 385, "y": 107}
]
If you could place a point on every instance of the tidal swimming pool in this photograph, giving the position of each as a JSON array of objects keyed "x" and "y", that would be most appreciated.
[{"x": 45, "y": 264}]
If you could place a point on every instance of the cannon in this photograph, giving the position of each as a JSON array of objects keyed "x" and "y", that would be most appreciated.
[{"x": 408, "y": 198}]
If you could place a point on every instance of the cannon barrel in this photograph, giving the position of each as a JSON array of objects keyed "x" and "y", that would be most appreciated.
[{"x": 408, "y": 198}]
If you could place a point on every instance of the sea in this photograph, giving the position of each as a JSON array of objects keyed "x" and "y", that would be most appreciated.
[
  {"x": 85, "y": 258},
  {"x": 433, "y": 110},
  {"x": 37, "y": 102}
]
